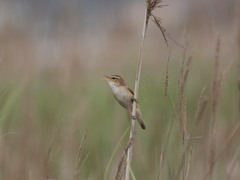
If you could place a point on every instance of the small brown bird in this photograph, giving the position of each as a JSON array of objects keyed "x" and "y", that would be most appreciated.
[{"x": 125, "y": 96}]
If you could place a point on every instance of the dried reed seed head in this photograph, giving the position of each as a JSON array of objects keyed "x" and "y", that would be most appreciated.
[
  {"x": 216, "y": 78},
  {"x": 187, "y": 70},
  {"x": 167, "y": 75},
  {"x": 157, "y": 21},
  {"x": 81, "y": 147},
  {"x": 183, "y": 77},
  {"x": 122, "y": 162},
  {"x": 151, "y": 6}
]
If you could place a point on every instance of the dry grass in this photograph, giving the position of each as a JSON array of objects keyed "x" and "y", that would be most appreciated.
[
  {"x": 151, "y": 5},
  {"x": 183, "y": 75},
  {"x": 79, "y": 156},
  {"x": 167, "y": 75},
  {"x": 122, "y": 163},
  {"x": 218, "y": 79},
  {"x": 191, "y": 109},
  {"x": 215, "y": 98}
]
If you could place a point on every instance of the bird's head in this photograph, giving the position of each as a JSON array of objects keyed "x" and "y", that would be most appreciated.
[{"x": 115, "y": 80}]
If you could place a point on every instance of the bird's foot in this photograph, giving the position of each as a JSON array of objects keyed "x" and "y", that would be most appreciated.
[
  {"x": 134, "y": 117},
  {"x": 134, "y": 99}
]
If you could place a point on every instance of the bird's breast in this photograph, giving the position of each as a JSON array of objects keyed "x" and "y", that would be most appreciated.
[{"x": 122, "y": 95}]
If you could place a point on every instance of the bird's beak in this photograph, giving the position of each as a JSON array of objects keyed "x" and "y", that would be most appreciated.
[{"x": 106, "y": 78}]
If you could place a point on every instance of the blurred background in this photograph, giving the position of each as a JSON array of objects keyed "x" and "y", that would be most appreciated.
[{"x": 58, "y": 120}]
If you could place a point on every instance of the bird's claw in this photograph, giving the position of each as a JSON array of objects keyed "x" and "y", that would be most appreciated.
[
  {"x": 134, "y": 99},
  {"x": 133, "y": 117}
]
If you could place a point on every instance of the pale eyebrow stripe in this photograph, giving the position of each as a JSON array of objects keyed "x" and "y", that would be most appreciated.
[{"x": 117, "y": 77}]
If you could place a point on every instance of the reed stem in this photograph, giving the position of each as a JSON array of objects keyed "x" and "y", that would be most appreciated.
[{"x": 138, "y": 74}]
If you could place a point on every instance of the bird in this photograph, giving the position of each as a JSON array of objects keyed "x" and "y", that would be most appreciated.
[{"x": 125, "y": 97}]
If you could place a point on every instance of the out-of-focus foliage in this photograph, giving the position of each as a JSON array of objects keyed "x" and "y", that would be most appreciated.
[{"x": 53, "y": 55}]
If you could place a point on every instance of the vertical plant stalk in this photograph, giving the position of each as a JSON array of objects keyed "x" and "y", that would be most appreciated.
[
  {"x": 218, "y": 80},
  {"x": 202, "y": 102},
  {"x": 214, "y": 104},
  {"x": 184, "y": 71},
  {"x": 188, "y": 164},
  {"x": 150, "y": 6},
  {"x": 138, "y": 74},
  {"x": 79, "y": 156},
  {"x": 122, "y": 163},
  {"x": 167, "y": 75},
  {"x": 238, "y": 43},
  {"x": 233, "y": 163},
  {"x": 165, "y": 136},
  {"x": 226, "y": 145}
]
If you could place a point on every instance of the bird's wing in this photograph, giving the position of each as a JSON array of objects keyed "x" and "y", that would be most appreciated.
[
  {"x": 133, "y": 99},
  {"x": 131, "y": 91}
]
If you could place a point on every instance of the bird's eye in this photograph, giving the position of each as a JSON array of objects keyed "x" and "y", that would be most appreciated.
[{"x": 113, "y": 78}]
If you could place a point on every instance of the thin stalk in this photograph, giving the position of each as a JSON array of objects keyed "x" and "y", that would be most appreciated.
[
  {"x": 233, "y": 163},
  {"x": 214, "y": 104},
  {"x": 165, "y": 141},
  {"x": 188, "y": 164},
  {"x": 184, "y": 71},
  {"x": 238, "y": 44},
  {"x": 139, "y": 67},
  {"x": 113, "y": 154},
  {"x": 226, "y": 145},
  {"x": 150, "y": 6}
]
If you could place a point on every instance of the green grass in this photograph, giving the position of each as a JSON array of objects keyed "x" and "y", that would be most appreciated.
[{"x": 45, "y": 105}]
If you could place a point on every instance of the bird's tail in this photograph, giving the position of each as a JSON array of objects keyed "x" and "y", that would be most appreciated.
[{"x": 140, "y": 119}]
